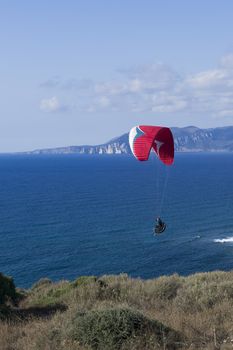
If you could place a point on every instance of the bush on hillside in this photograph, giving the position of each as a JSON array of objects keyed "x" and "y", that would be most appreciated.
[
  {"x": 166, "y": 287},
  {"x": 43, "y": 282},
  {"x": 8, "y": 292},
  {"x": 84, "y": 280},
  {"x": 111, "y": 328},
  {"x": 47, "y": 294},
  {"x": 199, "y": 294}
]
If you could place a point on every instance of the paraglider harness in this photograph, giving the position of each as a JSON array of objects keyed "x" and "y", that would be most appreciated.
[{"x": 160, "y": 226}]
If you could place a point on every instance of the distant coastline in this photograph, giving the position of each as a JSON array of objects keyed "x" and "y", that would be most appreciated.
[{"x": 187, "y": 139}]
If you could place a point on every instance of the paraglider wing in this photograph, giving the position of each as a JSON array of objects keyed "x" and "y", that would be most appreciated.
[{"x": 143, "y": 138}]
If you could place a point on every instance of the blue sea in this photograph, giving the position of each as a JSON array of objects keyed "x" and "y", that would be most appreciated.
[{"x": 66, "y": 216}]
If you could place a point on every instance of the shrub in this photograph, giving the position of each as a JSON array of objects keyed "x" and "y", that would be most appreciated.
[
  {"x": 43, "y": 282},
  {"x": 7, "y": 290},
  {"x": 46, "y": 293},
  {"x": 203, "y": 292},
  {"x": 84, "y": 280},
  {"x": 111, "y": 328},
  {"x": 166, "y": 287}
]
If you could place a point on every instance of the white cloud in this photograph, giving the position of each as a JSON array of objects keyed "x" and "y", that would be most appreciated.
[
  {"x": 135, "y": 85},
  {"x": 226, "y": 113},
  {"x": 51, "y": 83},
  {"x": 51, "y": 105},
  {"x": 153, "y": 76},
  {"x": 99, "y": 103},
  {"x": 167, "y": 103},
  {"x": 208, "y": 79},
  {"x": 104, "y": 101},
  {"x": 154, "y": 88},
  {"x": 227, "y": 61}
]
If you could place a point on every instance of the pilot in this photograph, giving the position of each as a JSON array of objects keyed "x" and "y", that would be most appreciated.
[{"x": 160, "y": 226}]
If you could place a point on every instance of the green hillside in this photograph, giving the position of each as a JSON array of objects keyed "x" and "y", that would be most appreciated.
[{"x": 119, "y": 312}]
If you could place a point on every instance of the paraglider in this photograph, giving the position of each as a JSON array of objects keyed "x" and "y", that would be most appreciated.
[{"x": 143, "y": 139}]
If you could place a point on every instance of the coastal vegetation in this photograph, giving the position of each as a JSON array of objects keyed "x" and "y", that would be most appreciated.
[{"x": 119, "y": 312}]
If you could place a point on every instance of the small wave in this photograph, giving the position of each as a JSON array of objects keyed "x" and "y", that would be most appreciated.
[
  {"x": 224, "y": 240},
  {"x": 194, "y": 238}
]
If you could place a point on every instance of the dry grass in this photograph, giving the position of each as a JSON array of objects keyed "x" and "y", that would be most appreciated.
[{"x": 199, "y": 308}]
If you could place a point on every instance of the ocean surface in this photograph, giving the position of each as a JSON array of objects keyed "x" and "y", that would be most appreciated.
[{"x": 66, "y": 216}]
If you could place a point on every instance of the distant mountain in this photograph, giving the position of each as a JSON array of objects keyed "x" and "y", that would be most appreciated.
[{"x": 188, "y": 139}]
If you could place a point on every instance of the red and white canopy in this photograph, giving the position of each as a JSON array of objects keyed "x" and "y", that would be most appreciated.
[{"x": 144, "y": 138}]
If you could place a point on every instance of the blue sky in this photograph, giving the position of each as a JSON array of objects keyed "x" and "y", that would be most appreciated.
[{"x": 82, "y": 72}]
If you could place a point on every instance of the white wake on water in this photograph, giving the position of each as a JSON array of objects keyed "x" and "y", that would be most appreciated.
[{"x": 224, "y": 240}]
